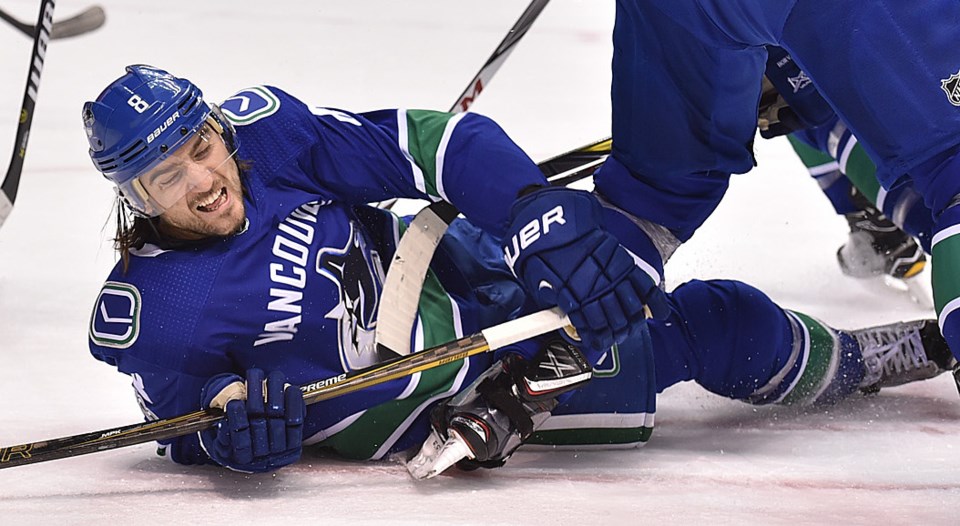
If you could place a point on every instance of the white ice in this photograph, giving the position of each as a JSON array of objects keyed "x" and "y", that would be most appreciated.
[{"x": 888, "y": 459}]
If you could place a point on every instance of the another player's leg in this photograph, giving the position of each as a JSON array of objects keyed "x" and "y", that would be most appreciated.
[
  {"x": 876, "y": 245},
  {"x": 736, "y": 342}
]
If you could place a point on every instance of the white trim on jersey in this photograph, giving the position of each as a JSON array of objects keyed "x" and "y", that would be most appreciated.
[
  {"x": 442, "y": 150},
  {"x": 404, "y": 143}
]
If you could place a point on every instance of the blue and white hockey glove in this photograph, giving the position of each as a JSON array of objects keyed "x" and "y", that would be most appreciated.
[
  {"x": 486, "y": 422},
  {"x": 557, "y": 247},
  {"x": 262, "y": 429}
]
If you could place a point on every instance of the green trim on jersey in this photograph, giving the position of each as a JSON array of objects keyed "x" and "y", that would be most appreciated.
[
  {"x": 427, "y": 134},
  {"x": 946, "y": 280},
  {"x": 378, "y": 426},
  {"x": 374, "y": 432},
  {"x": 822, "y": 361}
]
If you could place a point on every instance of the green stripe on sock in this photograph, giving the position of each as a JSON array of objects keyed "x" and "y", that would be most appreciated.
[
  {"x": 946, "y": 280},
  {"x": 823, "y": 347},
  {"x": 811, "y": 157},
  {"x": 424, "y": 133},
  {"x": 591, "y": 436},
  {"x": 862, "y": 173}
]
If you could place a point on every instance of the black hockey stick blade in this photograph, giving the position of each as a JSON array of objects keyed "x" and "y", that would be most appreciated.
[
  {"x": 486, "y": 340},
  {"x": 83, "y": 22},
  {"x": 11, "y": 181},
  {"x": 575, "y": 158}
]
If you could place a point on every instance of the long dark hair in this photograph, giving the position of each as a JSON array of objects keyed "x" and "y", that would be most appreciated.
[{"x": 133, "y": 231}]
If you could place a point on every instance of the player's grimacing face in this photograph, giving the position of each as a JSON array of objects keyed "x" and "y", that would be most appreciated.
[{"x": 213, "y": 204}]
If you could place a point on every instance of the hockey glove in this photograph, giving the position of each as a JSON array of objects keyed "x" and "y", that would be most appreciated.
[
  {"x": 262, "y": 429},
  {"x": 484, "y": 424},
  {"x": 558, "y": 249}
]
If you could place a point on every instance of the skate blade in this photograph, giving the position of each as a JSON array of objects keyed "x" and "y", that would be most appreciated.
[{"x": 913, "y": 288}]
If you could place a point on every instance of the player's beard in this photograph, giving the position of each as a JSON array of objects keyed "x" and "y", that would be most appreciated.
[{"x": 187, "y": 221}]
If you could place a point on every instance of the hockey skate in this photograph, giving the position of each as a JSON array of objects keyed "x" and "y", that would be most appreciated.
[
  {"x": 878, "y": 247},
  {"x": 902, "y": 352}
]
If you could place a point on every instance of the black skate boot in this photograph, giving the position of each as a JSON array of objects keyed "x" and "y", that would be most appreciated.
[
  {"x": 877, "y": 246},
  {"x": 902, "y": 352}
]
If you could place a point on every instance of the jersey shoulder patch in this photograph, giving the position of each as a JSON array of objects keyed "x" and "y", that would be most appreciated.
[
  {"x": 115, "y": 321},
  {"x": 250, "y": 105}
]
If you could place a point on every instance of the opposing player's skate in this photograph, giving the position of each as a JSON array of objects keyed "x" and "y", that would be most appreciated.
[{"x": 902, "y": 352}]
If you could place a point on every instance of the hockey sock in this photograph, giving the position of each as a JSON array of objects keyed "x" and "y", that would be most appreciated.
[{"x": 825, "y": 366}]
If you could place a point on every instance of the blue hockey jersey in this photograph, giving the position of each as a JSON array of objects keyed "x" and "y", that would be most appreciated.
[{"x": 298, "y": 289}]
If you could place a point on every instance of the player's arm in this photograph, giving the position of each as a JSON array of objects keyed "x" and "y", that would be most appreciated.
[
  {"x": 465, "y": 159},
  {"x": 263, "y": 422},
  {"x": 555, "y": 239},
  {"x": 161, "y": 393}
]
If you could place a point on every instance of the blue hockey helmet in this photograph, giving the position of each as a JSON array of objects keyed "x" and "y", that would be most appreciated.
[{"x": 138, "y": 121}]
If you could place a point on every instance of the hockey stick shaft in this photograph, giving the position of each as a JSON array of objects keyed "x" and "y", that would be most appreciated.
[
  {"x": 83, "y": 22},
  {"x": 490, "y": 67},
  {"x": 408, "y": 268},
  {"x": 500, "y": 54},
  {"x": 486, "y": 340},
  {"x": 11, "y": 181}
]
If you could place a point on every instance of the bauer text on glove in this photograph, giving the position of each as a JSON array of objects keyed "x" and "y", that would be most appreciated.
[{"x": 557, "y": 246}]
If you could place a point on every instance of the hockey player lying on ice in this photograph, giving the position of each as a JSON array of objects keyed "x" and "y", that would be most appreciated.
[{"x": 249, "y": 264}]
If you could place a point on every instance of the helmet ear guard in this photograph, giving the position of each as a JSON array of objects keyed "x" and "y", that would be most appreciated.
[{"x": 222, "y": 125}]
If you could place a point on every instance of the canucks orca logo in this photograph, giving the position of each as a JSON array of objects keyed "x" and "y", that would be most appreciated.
[{"x": 358, "y": 274}]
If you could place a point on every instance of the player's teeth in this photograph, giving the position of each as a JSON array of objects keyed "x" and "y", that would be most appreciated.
[{"x": 213, "y": 197}]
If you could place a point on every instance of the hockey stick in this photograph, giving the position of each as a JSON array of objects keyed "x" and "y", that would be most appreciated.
[
  {"x": 490, "y": 67},
  {"x": 486, "y": 340},
  {"x": 558, "y": 168},
  {"x": 499, "y": 55},
  {"x": 83, "y": 22},
  {"x": 408, "y": 268},
  {"x": 11, "y": 181}
]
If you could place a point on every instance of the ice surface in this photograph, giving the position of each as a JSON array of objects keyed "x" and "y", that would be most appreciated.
[{"x": 888, "y": 459}]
